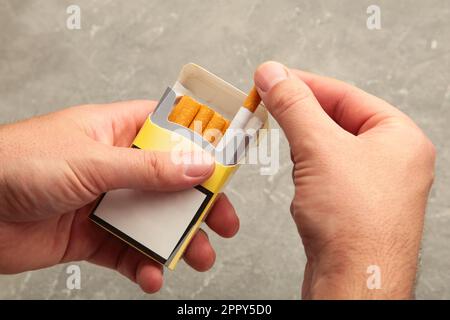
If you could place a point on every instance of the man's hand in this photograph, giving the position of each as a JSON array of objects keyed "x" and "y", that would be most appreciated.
[
  {"x": 362, "y": 173},
  {"x": 54, "y": 167}
]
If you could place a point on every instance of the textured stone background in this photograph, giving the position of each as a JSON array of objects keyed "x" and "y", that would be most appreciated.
[{"x": 134, "y": 49}]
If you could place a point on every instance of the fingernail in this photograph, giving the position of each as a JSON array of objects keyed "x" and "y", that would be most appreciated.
[
  {"x": 197, "y": 164},
  {"x": 269, "y": 74}
]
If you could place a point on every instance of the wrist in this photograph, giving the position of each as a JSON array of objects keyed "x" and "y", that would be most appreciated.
[{"x": 359, "y": 277}]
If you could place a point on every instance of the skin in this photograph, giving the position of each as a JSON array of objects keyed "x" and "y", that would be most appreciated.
[
  {"x": 55, "y": 166},
  {"x": 362, "y": 173}
]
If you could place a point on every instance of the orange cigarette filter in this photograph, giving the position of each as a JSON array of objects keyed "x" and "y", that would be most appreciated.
[
  {"x": 176, "y": 111},
  {"x": 185, "y": 111},
  {"x": 253, "y": 100},
  {"x": 225, "y": 127},
  {"x": 202, "y": 119},
  {"x": 214, "y": 128}
]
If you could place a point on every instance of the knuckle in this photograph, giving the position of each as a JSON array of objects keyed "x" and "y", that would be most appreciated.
[
  {"x": 426, "y": 148},
  {"x": 431, "y": 155},
  {"x": 431, "y": 150},
  {"x": 154, "y": 166},
  {"x": 422, "y": 154}
]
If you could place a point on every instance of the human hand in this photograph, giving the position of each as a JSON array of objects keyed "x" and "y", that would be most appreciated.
[
  {"x": 54, "y": 167},
  {"x": 362, "y": 173}
]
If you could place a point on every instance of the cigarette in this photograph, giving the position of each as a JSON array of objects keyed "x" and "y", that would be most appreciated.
[
  {"x": 185, "y": 111},
  {"x": 254, "y": 124},
  {"x": 202, "y": 119},
  {"x": 214, "y": 128},
  {"x": 242, "y": 117},
  {"x": 252, "y": 128},
  {"x": 252, "y": 101},
  {"x": 176, "y": 111},
  {"x": 226, "y": 126},
  {"x": 244, "y": 114}
]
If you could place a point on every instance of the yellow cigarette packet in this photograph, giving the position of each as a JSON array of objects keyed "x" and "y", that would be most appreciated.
[{"x": 162, "y": 224}]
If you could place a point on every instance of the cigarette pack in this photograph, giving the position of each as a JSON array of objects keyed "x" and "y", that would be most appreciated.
[{"x": 158, "y": 224}]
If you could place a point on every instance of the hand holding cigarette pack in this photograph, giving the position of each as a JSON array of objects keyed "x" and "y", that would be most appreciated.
[{"x": 200, "y": 111}]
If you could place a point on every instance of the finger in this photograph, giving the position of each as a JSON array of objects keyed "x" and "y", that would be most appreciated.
[
  {"x": 127, "y": 119},
  {"x": 349, "y": 106},
  {"x": 293, "y": 105},
  {"x": 131, "y": 113},
  {"x": 149, "y": 276},
  {"x": 147, "y": 170},
  {"x": 117, "y": 255},
  {"x": 200, "y": 255},
  {"x": 115, "y": 123},
  {"x": 223, "y": 218},
  {"x": 138, "y": 268}
]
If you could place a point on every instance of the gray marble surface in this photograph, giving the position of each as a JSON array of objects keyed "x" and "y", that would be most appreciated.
[{"x": 134, "y": 49}]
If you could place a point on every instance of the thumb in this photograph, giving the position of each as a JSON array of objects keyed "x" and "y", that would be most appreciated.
[
  {"x": 293, "y": 105},
  {"x": 131, "y": 168}
]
